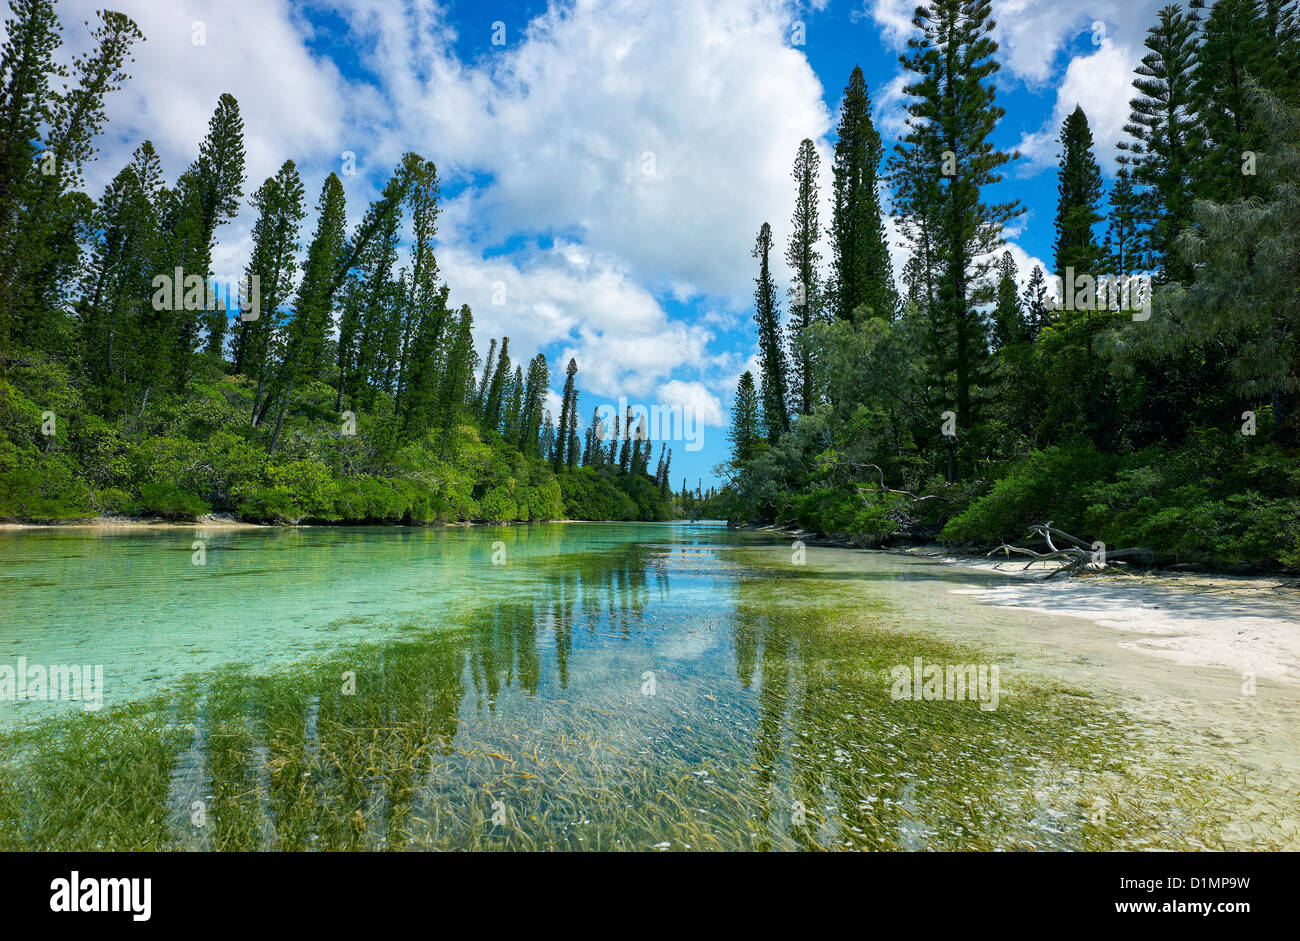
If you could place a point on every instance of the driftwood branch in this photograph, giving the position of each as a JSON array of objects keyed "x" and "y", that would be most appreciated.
[{"x": 1074, "y": 554}]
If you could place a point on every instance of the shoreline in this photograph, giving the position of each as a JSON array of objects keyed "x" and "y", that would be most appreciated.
[
  {"x": 227, "y": 522},
  {"x": 1020, "y": 567},
  {"x": 1246, "y": 623}
]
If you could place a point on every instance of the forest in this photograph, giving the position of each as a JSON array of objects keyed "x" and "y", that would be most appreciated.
[
  {"x": 1150, "y": 402},
  {"x": 333, "y": 383}
]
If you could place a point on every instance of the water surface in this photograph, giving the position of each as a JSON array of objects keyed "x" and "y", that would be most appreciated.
[{"x": 588, "y": 686}]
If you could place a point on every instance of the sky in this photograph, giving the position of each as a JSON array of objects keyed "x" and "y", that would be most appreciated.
[{"x": 604, "y": 166}]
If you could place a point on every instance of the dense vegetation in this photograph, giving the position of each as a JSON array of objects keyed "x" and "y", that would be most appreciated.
[
  {"x": 330, "y": 385},
  {"x": 963, "y": 404}
]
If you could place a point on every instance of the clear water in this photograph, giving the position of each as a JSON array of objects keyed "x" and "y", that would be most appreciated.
[{"x": 578, "y": 686}]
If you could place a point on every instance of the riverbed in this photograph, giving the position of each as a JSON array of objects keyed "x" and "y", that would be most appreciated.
[{"x": 621, "y": 686}]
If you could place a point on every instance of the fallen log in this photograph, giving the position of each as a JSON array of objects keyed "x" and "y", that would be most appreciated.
[{"x": 1074, "y": 554}]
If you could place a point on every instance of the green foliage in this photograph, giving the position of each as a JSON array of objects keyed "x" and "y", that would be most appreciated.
[
  {"x": 591, "y": 494},
  {"x": 165, "y": 499},
  {"x": 48, "y": 489},
  {"x": 1173, "y": 427},
  {"x": 1048, "y": 484},
  {"x": 862, "y": 277},
  {"x": 1217, "y": 500}
]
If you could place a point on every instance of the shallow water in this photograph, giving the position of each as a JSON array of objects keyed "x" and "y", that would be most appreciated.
[{"x": 601, "y": 686}]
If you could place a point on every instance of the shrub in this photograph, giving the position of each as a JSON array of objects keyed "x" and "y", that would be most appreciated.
[{"x": 165, "y": 499}]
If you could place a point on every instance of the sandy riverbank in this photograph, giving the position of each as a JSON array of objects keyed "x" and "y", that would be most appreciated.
[
  {"x": 1247, "y": 624},
  {"x": 229, "y": 522},
  {"x": 139, "y": 522}
]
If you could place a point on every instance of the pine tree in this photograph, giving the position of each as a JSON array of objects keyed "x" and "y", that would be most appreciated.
[
  {"x": 27, "y": 66},
  {"x": 1236, "y": 46},
  {"x": 492, "y": 403},
  {"x": 1008, "y": 323},
  {"x": 575, "y": 444},
  {"x": 208, "y": 195},
  {"x": 1078, "y": 194},
  {"x": 802, "y": 257},
  {"x": 480, "y": 400},
  {"x": 565, "y": 434},
  {"x": 1034, "y": 301},
  {"x": 860, "y": 255},
  {"x": 458, "y": 367},
  {"x": 640, "y": 450},
  {"x": 1165, "y": 139},
  {"x": 538, "y": 381},
  {"x": 952, "y": 116},
  {"x": 746, "y": 423},
  {"x": 302, "y": 352},
  {"x": 595, "y": 448},
  {"x": 42, "y": 209},
  {"x": 426, "y": 315},
  {"x": 421, "y": 384},
  {"x": 368, "y": 329},
  {"x": 548, "y": 437},
  {"x": 123, "y": 339},
  {"x": 1121, "y": 245},
  {"x": 625, "y": 454},
  {"x": 771, "y": 348},
  {"x": 514, "y": 406},
  {"x": 279, "y": 202},
  {"x": 1246, "y": 255},
  {"x": 614, "y": 443}
]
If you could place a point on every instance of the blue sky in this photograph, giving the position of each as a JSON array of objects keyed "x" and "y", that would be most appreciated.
[{"x": 605, "y": 168}]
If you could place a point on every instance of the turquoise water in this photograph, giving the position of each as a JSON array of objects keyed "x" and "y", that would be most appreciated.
[
  {"x": 136, "y": 603},
  {"x": 571, "y": 686}
]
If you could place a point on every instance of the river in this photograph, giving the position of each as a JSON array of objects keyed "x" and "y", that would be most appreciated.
[{"x": 599, "y": 686}]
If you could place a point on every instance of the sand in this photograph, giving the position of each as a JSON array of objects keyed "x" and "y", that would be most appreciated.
[{"x": 1244, "y": 624}]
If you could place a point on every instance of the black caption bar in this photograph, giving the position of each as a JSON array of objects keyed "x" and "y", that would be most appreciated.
[{"x": 141, "y": 892}]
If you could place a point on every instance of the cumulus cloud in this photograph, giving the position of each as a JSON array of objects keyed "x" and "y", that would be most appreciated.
[
  {"x": 1032, "y": 34},
  {"x": 605, "y": 156},
  {"x": 1100, "y": 83},
  {"x": 294, "y": 104},
  {"x": 662, "y": 133},
  {"x": 694, "y": 398}
]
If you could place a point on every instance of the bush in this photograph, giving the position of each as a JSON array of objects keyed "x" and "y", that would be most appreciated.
[
  {"x": 48, "y": 489},
  {"x": 293, "y": 492},
  {"x": 1215, "y": 499},
  {"x": 165, "y": 499},
  {"x": 1048, "y": 485}
]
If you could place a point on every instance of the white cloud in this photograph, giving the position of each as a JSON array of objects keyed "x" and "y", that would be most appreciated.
[
  {"x": 696, "y": 398},
  {"x": 1031, "y": 34},
  {"x": 549, "y": 133},
  {"x": 1100, "y": 83},
  {"x": 893, "y": 17},
  {"x": 294, "y": 105},
  {"x": 890, "y": 106},
  {"x": 569, "y": 119}
]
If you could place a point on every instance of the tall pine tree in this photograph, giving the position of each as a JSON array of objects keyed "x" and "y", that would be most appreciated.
[
  {"x": 1078, "y": 194},
  {"x": 771, "y": 349},
  {"x": 802, "y": 257},
  {"x": 863, "y": 276},
  {"x": 1165, "y": 140},
  {"x": 952, "y": 117}
]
